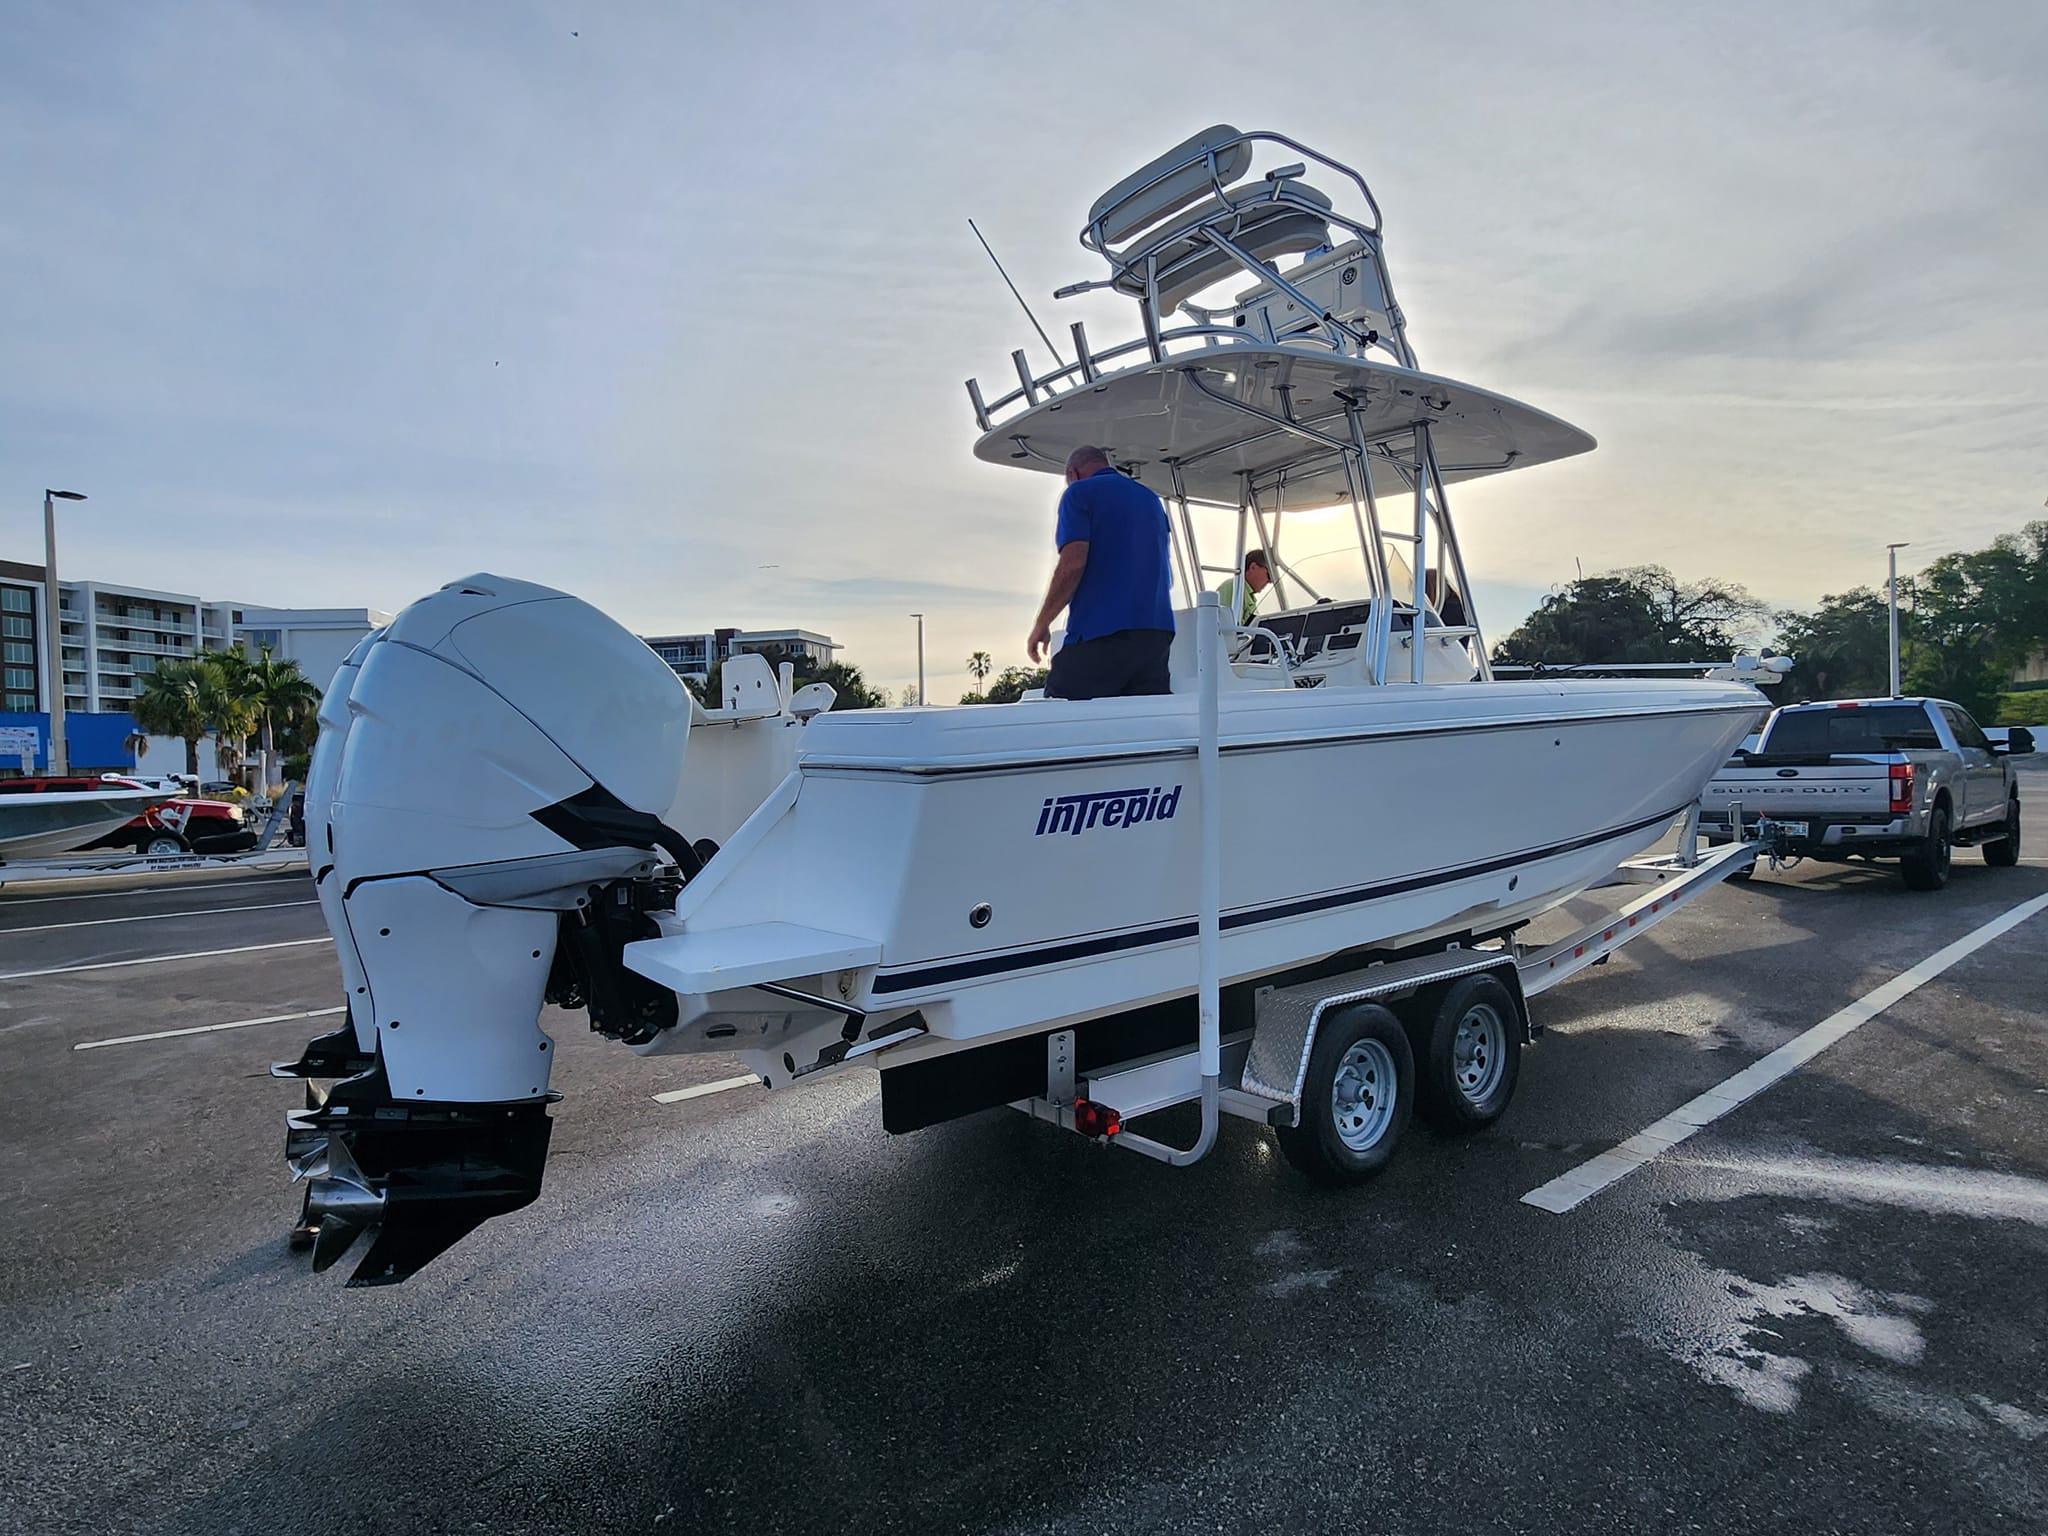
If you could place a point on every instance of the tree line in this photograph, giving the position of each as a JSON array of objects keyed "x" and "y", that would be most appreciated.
[
  {"x": 231, "y": 697},
  {"x": 850, "y": 689},
  {"x": 1967, "y": 623},
  {"x": 854, "y": 691}
]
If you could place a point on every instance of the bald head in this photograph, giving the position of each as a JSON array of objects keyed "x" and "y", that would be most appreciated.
[{"x": 1084, "y": 461}]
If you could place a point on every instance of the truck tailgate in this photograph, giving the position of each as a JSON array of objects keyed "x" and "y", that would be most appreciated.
[{"x": 1792, "y": 792}]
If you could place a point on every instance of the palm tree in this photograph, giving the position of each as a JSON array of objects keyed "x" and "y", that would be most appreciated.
[
  {"x": 979, "y": 665},
  {"x": 171, "y": 704},
  {"x": 284, "y": 696},
  {"x": 135, "y": 743},
  {"x": 227, "y": 697}
]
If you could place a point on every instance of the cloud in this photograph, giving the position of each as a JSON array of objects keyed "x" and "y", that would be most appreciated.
[{"x": 328, "y": 307}]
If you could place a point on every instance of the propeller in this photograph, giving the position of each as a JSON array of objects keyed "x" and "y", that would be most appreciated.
[{"x": 341, "y": 1201}]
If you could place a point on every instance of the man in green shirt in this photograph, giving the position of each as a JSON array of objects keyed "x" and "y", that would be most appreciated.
[{"x": 1238, "y": 597}]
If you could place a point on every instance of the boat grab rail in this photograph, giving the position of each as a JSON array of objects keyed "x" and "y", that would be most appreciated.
[
  {"x": 1209, "y": 895},
  {"x": 1082, "y": 372}
]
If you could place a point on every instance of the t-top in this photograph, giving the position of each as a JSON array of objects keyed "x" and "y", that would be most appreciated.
[{"x": 1127, "y": 581}]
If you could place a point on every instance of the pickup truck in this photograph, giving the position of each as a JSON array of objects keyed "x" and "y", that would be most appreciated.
[{"x": 1904, "y": 779}]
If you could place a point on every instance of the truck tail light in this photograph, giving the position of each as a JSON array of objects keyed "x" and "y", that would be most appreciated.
[
  {"x": 1902, "y": 786},
  {"x": 1093, "y": 1119}
]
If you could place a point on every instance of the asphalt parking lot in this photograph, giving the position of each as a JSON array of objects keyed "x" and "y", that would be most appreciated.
[{"x": 1826, "y": 1311}]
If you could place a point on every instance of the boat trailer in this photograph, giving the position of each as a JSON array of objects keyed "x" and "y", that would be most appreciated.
[{"x": 1269, "y": 1073}]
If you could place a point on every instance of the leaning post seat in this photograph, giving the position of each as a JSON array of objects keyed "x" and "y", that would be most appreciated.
[
  {"x": 1200, "y": 165},
  {"x": 1345, "y": 282},
  {"x": 1268, "y": 220}
]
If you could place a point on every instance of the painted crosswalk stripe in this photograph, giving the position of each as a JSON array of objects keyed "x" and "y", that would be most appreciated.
[
  {"x": 1580, "y": 1184},
  {"x": 209, "y": 1029}
]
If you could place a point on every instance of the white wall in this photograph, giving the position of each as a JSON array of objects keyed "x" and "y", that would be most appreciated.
[
  {"x": 320, "y": 652},
  {"x": 166, "y": 754}
]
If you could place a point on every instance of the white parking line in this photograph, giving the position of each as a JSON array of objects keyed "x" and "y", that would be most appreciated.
[
  {"x": 196, "y": 954},
  {"x": 208, "y": 1029},
  {"x": 1580, "y": 1184},
  {"x": 702, "y": 1090},
  {"x": 149, "y": 890},
  {"x": 157, "y": 917}
]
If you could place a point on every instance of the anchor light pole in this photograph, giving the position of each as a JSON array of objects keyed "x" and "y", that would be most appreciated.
[{"x": 920, "y": 657}]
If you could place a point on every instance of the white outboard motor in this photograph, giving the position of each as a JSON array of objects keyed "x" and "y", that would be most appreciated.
[{"x": 483, "y": 818}]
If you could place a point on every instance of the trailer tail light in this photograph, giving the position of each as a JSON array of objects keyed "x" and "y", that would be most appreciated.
[
  {"x": 1093, "y": 1119},
  {"x": 1902, "y": 786}
]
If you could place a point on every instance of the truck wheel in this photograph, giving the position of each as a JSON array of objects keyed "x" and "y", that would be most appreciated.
[
  {"x": 1471, "y": 1057},
  {"x": 159, "y": 845},
  {"x": 1926, "y": 868},
  {"x": 1356, "y": 1097},
  {"x": 2005, "y": 853}
]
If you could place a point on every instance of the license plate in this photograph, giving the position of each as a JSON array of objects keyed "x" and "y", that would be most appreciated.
[{"x": 1794, "y": 828}]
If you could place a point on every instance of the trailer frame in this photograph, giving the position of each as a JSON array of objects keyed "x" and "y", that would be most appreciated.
[{"x": 1287, "y": 1019}]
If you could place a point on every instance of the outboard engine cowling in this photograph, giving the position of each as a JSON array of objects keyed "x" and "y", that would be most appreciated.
[{"x": 492, "y": 765}]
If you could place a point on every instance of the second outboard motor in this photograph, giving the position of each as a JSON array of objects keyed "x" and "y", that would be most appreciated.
[{"x": 491, "y": 773}]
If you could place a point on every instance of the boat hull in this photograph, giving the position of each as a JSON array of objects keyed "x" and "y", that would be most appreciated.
[
  {"x": 1028, "y": 867},
  {"x": 46, "y": 825}
]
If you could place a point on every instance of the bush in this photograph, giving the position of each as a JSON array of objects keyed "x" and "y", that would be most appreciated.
[{"x": 2023, "y": 706}]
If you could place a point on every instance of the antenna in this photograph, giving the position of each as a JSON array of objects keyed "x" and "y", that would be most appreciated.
[{"x": 1055, "y": 351}]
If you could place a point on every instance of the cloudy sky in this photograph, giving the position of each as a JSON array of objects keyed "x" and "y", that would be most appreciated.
[{"x": 670, "y": 304}]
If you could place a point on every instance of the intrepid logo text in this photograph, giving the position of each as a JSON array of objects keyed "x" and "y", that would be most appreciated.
[{"x": 1110, "y": 808}]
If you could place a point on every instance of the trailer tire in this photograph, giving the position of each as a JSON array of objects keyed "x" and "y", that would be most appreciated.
[
  {"x": 1926, "y": 868},
  {"x": 160, "y": 845},
  {"x": 2005, "y": 852},
  {"x": 1470, "y": 1058},
  {"x": 1356, "y": 1097}
]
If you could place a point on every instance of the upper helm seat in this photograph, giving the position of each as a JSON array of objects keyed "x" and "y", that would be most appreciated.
[
  {"x": 1139, "y": 201},
  {"x": 1267, "y": 219}
]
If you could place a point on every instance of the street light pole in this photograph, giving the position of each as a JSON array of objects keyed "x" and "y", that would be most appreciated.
[
  {"x": 59, "y": 760},
  {"x": 920, "y": 656},
  {"x": 1892, "y": 603}
]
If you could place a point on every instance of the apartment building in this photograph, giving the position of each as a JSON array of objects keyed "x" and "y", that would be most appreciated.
[
  {"x": 691, "y": 656},
  {"x": 114, "y": 636},
  {"x": 318, "y": 639}
]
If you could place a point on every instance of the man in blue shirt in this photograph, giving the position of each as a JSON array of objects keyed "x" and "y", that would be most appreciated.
[{"x": 1114, "y": 580}]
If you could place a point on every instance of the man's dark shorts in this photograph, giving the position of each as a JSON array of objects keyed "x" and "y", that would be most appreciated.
[{"x": 1131, "y": 661}]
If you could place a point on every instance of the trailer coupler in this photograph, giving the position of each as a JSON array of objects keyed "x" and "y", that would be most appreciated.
[{"x": 422, "y": 1176}]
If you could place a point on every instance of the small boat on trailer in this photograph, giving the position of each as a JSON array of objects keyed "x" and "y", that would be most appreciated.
[
  {"x": 46, "y": 823},
  {"x": 1287, "y": 889}
]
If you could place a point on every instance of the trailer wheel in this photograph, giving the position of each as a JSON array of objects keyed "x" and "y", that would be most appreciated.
[
  {"x": 1471, "y": 1057},
  {"x": 1926, "y": 868},
  {"x": 1356, "y": 1097},
  {"x": 2005, "y": 853},
  {"x": 159, "y": 845}
]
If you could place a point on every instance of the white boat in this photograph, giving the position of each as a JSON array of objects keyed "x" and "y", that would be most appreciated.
[
  {"x": 44, "y": 824},
  {"x": 512, "y": 799}
]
